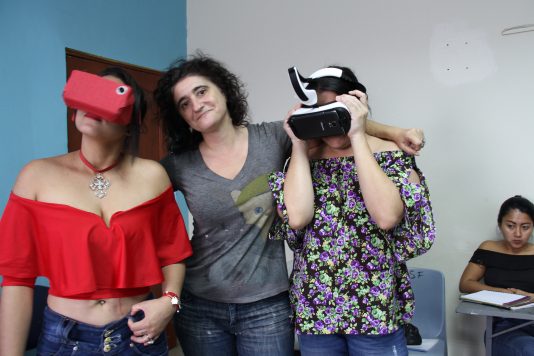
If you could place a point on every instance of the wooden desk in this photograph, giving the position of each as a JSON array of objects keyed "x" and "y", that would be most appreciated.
[{"x": 490, "y": 312}]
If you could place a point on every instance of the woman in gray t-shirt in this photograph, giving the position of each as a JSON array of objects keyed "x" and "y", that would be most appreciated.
[{"x": 235, "y": 299}]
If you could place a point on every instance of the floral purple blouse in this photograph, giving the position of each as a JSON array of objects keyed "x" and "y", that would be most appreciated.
[{"x": 349, "y": 276}]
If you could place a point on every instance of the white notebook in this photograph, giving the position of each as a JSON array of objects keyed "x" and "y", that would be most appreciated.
[{"x": 499, "y": 299}]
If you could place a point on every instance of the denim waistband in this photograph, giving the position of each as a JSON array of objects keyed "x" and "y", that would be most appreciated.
[
  {"x": 106, "y": 337},
  {"x": 79, "y": 331}
]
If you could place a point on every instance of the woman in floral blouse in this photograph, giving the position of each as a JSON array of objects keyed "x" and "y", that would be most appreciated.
[{"x": 354, "y": 209}]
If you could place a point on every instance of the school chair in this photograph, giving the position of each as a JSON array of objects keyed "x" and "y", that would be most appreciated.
[{"x": 429, "y": 289}]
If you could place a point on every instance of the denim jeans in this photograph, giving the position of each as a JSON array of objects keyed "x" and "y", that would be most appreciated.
[
  {"x": 62, "y": 336},
  {"x": 354, "y": 345},
  {"x": 211, "y": 328},
  {"x": 519, "y": 342}
]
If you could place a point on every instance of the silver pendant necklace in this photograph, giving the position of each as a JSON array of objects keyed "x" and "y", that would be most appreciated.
[{"x": 99, "y": 184}]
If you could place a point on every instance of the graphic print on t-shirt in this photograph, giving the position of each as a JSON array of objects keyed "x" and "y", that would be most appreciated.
[{"x": 255, "y": 204}]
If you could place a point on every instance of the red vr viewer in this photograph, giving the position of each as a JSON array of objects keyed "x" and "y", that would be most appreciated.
[{"x": 99, "y": 97}]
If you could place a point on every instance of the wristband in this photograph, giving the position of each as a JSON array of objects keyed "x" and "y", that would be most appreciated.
[{"x": 175, "y": 300}]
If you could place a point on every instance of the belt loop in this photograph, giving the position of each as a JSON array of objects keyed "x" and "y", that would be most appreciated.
[
  {"x": 109, "y": 331},
  {"x": 67, "y": 328}
]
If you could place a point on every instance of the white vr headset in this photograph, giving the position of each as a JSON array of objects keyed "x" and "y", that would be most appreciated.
[{"x": 314, "y": 121}]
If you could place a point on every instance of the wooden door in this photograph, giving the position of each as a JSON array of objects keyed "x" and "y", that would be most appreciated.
[{"x": 151, "y": 143}]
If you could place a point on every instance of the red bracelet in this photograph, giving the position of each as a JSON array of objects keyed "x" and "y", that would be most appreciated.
[{"x": 175, "y": 300}]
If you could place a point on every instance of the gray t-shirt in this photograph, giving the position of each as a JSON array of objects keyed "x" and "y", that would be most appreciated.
[{"x": 233, "y": 260}]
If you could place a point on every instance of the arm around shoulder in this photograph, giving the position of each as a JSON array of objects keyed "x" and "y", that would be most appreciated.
[
  {"x": 410, "y": 140},
  {"x": 382, "y": 131}
]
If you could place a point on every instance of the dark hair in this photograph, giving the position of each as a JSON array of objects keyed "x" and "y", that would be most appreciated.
[
  {"x": 516, "y": 203},
  {"x": 178, "y": 135},
  {"x": 343, "y": 85},
  {"x": 131, "y": 143}
]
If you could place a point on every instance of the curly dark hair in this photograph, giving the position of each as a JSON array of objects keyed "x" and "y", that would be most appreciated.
[{"x": 178, "y": 134}]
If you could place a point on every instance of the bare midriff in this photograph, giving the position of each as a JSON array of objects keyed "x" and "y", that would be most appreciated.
[{"x": 96, "y": 312}]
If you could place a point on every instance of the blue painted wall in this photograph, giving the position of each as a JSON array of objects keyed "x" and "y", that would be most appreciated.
[{"x": 33, "y": 37}]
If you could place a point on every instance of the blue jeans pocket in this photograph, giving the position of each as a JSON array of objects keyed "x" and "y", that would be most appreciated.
[
  {"x": 52, "y": 346},
  {"x": 158, "y": 348}
]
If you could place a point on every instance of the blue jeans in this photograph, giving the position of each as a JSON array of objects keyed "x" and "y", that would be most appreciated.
[
  {"x": 62, "y": 336},
  {"x": 211, "y": 328},
  {"x": 519, "y": 342},
  {"x": 354, "y": 345}
]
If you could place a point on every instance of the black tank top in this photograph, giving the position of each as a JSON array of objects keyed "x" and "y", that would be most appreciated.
[{"x": 506, "y": 271}]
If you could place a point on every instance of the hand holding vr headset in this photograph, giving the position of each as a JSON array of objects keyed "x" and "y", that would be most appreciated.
[
  {"x": 331, "y": 119},
  {"x": 356, "y": 103}
]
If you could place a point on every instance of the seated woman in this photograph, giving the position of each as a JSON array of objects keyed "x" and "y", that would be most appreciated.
[
  {"x": 354, "y": 209},
  {"x": 507, "y": 266},
  {"x": 103, "y": 226}
]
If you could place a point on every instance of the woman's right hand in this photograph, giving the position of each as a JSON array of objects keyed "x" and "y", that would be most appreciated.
[
  {"x": 287, "y": 128},
  {"x": 295, "y": 141}
]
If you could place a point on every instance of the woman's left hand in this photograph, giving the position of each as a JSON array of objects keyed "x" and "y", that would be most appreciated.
[
  {"x": 356, "y": 102},
  {"x": 521, "y": 292},
  {"x": 158, "y": 313}
]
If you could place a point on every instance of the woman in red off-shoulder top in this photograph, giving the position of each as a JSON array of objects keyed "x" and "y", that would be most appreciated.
[{"x": 102, "y": 225}]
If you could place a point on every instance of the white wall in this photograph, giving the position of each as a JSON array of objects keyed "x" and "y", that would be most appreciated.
[{"x": 443, "y": 66}]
